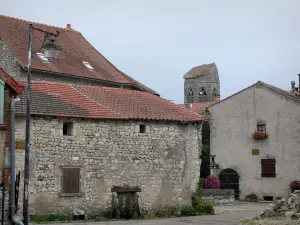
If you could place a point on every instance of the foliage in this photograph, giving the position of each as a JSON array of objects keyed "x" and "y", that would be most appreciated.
[
  {"x": 48, "y": 217},
  {"x": 212, "y": 182},
  {"x": 252, "y": 197},
  {"x": 260, "y": 135},
  {"x": 188, "y": 210},
  {"x": 129, "y": 210},
  {"x": 295, "y": 184}
]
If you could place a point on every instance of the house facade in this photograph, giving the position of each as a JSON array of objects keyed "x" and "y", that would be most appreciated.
[
  {"x": 255, "y": 137},
  {"x": 96, "y": 132}
]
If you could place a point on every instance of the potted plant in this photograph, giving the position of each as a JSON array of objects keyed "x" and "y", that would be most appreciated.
[
  {"x": 260, "y": 135},
  {"x": 295, "y": 185},
  {"x": 252, "y": 197},
  {"x": 212, "y": 182}
]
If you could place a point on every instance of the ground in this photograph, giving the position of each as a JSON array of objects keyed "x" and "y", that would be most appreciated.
[{"x": 225, "y": 215}]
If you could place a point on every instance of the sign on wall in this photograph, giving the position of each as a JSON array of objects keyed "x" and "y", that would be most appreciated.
[
  {"x": 255, "y": 151},
  {"x": 20, "y": 144}
]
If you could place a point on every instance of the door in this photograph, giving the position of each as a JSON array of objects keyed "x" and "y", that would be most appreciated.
[{"x": 229, "y": 179}]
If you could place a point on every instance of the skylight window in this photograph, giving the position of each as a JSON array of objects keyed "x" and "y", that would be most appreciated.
[
  {"x": 42, "y": 57},
  {"x": 87, "y": 65}
]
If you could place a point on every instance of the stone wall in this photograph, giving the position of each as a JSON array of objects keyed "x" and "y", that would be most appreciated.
[
  {"x": 164, "y": 162},
  {"x": 219, "y": 196}
]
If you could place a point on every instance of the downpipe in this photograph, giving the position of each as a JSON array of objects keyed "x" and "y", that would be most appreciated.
[{"x": 14, "y": 217}]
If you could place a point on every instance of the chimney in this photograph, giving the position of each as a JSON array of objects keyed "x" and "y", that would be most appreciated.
[
  {"x": 293, "y": 83},
  {"x": 299, "y": 82},
  {"x": 69, "y": 26}
]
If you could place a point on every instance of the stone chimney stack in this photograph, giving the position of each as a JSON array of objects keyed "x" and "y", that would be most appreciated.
[
  {"x": 299, "y": 82},
  {"x": 293, "y": 83},
  {"x": 69, "y": 26}
]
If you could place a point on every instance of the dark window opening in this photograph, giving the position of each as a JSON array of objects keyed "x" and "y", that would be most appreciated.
[
  {"x": 68, "y": 129},
  {"x": 262, "y": 128},
  {"x": 142, "y": 128},
  {"x": 70, "y": 179},
  {"x": 268, "y": 168},
  {"x": 268, "y": 198},
  {"x": 190, "y": 97}
]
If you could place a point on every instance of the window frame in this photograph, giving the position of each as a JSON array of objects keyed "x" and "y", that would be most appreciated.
[
  {"x": 72, "y": 193},
  {"x": 70, "y": 128},
  {"x": 266, "y": 166}
]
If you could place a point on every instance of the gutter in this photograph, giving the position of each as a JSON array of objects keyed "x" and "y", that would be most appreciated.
[{"x": 14, "y": 217}]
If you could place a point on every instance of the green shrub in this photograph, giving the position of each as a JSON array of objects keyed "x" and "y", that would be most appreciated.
[
  {"x": 47, "y": 218},
  {"x": 204, "y": 207},
  {"x": 188, "y": 210}
]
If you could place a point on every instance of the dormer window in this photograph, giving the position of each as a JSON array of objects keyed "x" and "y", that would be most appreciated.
[
  {"x": 42, "y": 57},
  {"x": 87, "y": 65}
]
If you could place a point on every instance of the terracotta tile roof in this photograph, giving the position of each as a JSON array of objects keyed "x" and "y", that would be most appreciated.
[
  {"x": 75, "y": 49},
  {"x": 197, "y": 107},
  {"x": 11, "y": 82},
  {"x": 102, "y": 103},
  {"x": 199, "y": 70}
]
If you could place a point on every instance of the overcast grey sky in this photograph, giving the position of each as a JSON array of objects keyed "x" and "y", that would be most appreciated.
[{"x": 158, "y": 41}]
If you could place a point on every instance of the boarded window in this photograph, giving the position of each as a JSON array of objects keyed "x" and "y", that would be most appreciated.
[
  {"x": 268, "y": 168},
  {"x": 71, "y": 180}
]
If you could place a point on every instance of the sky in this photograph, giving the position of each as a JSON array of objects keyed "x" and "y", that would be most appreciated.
[{"x": 157, "y": 41}]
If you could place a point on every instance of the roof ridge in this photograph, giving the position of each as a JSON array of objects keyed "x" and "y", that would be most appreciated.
[
  {"x": 42, "y": 24},
  {"x": 95, "y": 101}
]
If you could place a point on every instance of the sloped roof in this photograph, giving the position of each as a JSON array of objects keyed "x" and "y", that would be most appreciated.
[
  {"x": 75, "y": 49},
  {"x": 270, "y": 87},
  {"x": 199, "y": 70},
  {"x": 56, "y": 99},
  {"x": 11, "y": 82},
  {"x": 197, "y": 107}
]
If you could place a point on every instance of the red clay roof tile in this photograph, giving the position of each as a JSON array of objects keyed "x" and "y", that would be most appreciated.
[
  {"x": 102, "y": 103},
  {"x": 75, "y": 49}
]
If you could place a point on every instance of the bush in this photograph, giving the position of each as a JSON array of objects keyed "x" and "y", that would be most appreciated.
[
  {"x": 188, "y": 210},
  {"x": 204, "y": 207},
  {"x": 295, "y": 184},
  {"x": 47, "y": 218},
  {"x": 252, "y": 197},
  {"x": 212, "y": 182}
]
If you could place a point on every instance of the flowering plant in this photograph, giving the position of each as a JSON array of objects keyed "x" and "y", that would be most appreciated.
[
  {"x": 295, "y": 184},
  {"x": 260, "y": 135},
  {"x": 252, "y": 196},
  {"x": 212, "y": 182}
]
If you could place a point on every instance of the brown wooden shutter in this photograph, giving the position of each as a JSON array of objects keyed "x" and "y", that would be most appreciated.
[
  {"x": 268, "y": 168},
  {"x": 71, "y": 180}
]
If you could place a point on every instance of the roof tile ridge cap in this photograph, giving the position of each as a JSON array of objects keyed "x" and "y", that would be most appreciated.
[
  {"x": 95, "y": 101},
  {"x": 38, "y": 23}
]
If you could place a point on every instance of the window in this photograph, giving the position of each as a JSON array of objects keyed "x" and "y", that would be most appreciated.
[
  {"x": 70, "y": 180},
  {"x": 202, "y": 92},
  {"x": 190, "y": 97},
  {"x": 87, "y": 65},
  {"x": 268, "y": 168},
  {"x": 262, "y": 128},
  {"x": 68, "y": 129},
  {"x": 142, "y": 128}
]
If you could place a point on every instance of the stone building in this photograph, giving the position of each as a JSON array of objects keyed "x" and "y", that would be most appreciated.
[
  {"x": 255, "y": 137},
  {"x": 202, "y": 84},
  {"x": 95, "y": 130}
]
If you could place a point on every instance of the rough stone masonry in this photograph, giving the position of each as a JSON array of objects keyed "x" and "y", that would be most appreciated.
[{"x": 164, "y": 162}]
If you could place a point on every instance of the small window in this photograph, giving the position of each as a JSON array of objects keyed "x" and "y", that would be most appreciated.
[
  {"x": 70, "y": 180},
  {"x": 190, "y": 97},
  {"x": 87, "y": 65},
  {"x": 262, "y": 128},
  {"x": 142, "y": 128},
  {"x": 268, "y": 168},
  {"x": 42, "y": 57},
  {"x": 68, "y": 129}
]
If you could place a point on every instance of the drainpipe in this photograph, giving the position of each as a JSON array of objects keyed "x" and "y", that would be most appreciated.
[{"x": 12, "y": 163}]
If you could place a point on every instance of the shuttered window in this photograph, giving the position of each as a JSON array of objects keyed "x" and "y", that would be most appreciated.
[
  {"x": 268, "y": 168},
  {"x": 71, "y": 180}
]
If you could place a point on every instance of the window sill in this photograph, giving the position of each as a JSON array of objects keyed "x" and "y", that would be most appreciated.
[{"x": 70, "y": 195}]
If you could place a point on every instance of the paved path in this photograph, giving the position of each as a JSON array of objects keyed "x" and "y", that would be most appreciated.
[{"x": 225, "y": 215}]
